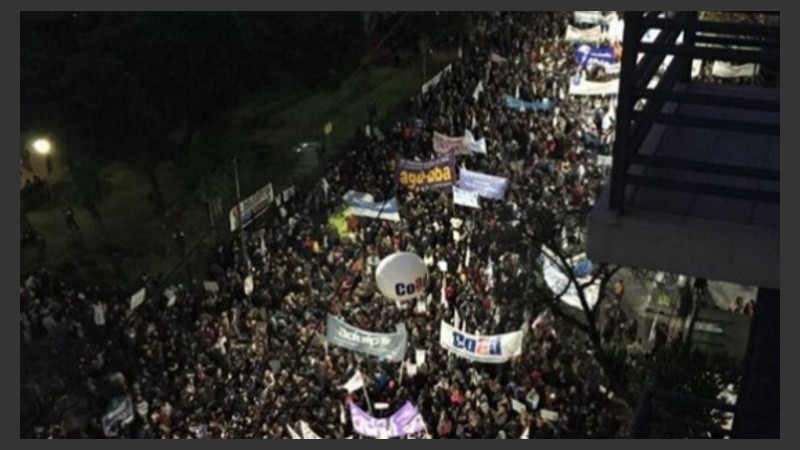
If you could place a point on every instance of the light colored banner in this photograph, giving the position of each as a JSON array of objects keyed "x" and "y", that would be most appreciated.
[
  {"x": 119, "y": 414},
  {"x": 465, "y": 198},
  {"x": 363, "y": 205},
  {"x": 514, "y": 103},
  {"x": 559, "y": 283},
  {"x": 252, "y": 207},
  {"x": 593, "y": 17},
  {"x": 495, "y": 349},
  {"x": 486, "y": 186},
  {"x": 590, "y": 35},
  {"x": 474, "y": 146},
  {"x": 446, "y": 144},
  {"x": 722, "y": 69},
  {"x": 579, "y": 86},
  {"x": 460, "y": 145},
  {"x": 390, "y": 346},
  {"x": 407, "y": 420}
]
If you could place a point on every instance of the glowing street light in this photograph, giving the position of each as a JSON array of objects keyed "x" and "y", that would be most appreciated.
[{"x": 42, "y": 146}]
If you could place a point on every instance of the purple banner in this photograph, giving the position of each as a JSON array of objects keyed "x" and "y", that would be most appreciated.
[{"x": 406, "y": 420}]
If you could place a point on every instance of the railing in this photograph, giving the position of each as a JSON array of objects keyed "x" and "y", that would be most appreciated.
[{"x": 704, "y": 40}]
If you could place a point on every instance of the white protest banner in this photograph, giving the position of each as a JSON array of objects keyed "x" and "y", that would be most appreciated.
[
  {"x": 474, "y": 146},
  {"x": 137, "y": 299},
  {"x": 248, "y": 285},
  {"x": 495, "y": 349},
  {"x": 579, "y": 86},
  {"x": 589, "y": 35},
  {"x": 548, "y": 416},
  {"x": 604, "y": 160},
  {"x": 307, "y": 432},
  {"x": 722, "y": 69},
  {"x": 447, "y": 144},
  {"x": 466, "y": 198},
  {"x": 589, "y": 17},
  {"x": 355, "y": 382},
  {"x": 252, "y": 206}
]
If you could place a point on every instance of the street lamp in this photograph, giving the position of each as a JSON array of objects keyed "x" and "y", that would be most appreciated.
[{"x": 42, "y": 146}]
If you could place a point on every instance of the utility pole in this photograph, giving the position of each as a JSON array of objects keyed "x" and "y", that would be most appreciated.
[
  {"x": 423, "y": 47},
  {"x": 242, "y": 238}
]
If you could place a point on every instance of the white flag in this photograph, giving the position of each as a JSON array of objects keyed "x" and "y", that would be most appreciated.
[
  {"x": 466, "y": 259},
  {"x": 419, "y": 356},
  {"x": 526, "y": 433},
  {"x": 292, "y": 433},
  {"x": 516, "y": 92},
  {"x": 476, "y": 94},
  {"x": 443, "y": 296},
  {"x": 457, "y": 320},
  {"x": 171, "y": 296},
  {"x": 137, "y": 299},
  {"x": 518, "y": 406},
  {"x": 325, "y": 186},
  {"x": 342, "y": 417},
  {"x": 490, "y": 273},
  {"x": 355, "y": 382},
  {"x": 248, "y": 285},
  {"x": 307, "y": 432},
  {"x": 652, "y": 336}
]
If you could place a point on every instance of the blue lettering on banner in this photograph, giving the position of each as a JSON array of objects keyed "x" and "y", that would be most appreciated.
[{"x": 482, "y": 346}]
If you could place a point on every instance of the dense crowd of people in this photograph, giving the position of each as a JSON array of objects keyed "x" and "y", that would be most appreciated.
[{"x": 211, "y": 361}]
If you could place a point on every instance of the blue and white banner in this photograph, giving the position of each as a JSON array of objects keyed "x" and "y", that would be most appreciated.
[
  {"x": 487, "y": 186},
  {"x": 514, "y": 103},
  {"x": 389, "y": 346},
  {"x": 588, "y": 56},
  {"x": 555, "y": 276},
  {"x": 363, "y": 205},
  {"x": 465, "y": 198},
  {"x": 116, "y": 416},
  {"x": 579, "y": 86},
  {"x": 494, "y": 349}
]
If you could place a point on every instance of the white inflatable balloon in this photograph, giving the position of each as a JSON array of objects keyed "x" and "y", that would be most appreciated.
[{"x": 401, "y": 276}]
